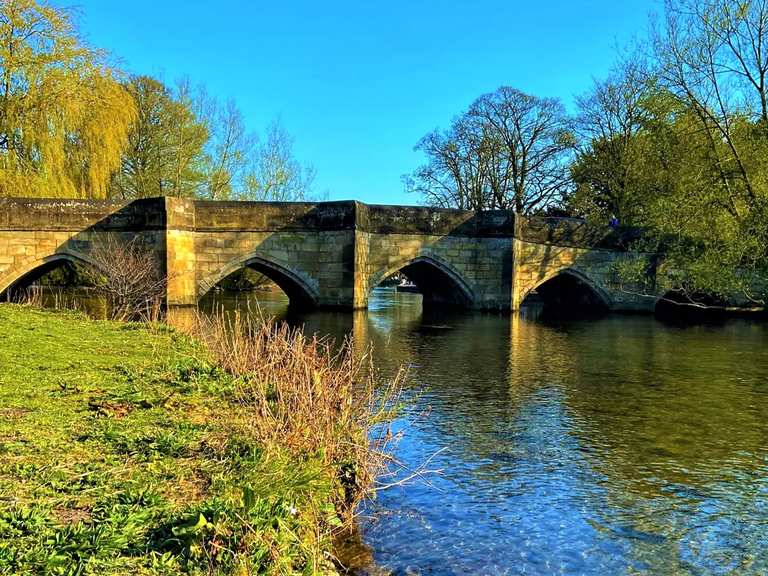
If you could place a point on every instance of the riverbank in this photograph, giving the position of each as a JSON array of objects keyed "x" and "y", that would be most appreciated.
[{"x": 125, "y": 449}]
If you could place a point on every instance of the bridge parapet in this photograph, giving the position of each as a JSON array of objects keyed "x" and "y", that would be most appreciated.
[
  {"x": 274, "y": 216},
  {"x": 40, "y": 215},
  {"x": 574, "y": 232},
  {"x": 379, "y": 219}
]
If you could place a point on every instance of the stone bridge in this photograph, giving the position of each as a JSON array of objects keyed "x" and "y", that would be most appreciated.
[{"x": 328, "y": 254}]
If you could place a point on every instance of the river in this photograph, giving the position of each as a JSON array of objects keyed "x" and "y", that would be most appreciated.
[{"x": 618, "y": 445}]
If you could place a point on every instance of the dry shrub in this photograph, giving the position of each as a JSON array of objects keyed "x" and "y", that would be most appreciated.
[
  {"x": 129, "y": 277},
  {"x": 126, "y": 278},
  {"x": 304, "y": 396}
]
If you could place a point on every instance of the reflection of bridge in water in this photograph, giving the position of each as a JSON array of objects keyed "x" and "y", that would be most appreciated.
[{"x": 330, "y": 254}]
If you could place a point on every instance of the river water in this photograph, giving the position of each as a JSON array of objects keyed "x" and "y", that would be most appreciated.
[{"x": 619, "y": 445}]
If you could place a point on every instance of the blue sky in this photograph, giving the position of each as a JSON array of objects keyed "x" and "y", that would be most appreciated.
[{"x": 358, "y": 83}]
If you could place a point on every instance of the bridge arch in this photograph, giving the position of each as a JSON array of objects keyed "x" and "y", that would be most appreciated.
[
  {"x": 438, "y": 282},
  {"x": 33, "y": 268},
  {"x": 567, "y": 287},
  {"x": 300, "y": 291}
]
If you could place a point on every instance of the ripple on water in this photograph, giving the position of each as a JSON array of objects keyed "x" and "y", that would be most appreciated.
[{"x": 616, "y": 446}]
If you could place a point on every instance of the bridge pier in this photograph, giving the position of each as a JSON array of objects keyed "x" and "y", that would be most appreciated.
[{"x": 180, "y": 259}]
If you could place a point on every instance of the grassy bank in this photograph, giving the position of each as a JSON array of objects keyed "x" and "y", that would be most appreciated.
[{"x": 125, "y": 449}]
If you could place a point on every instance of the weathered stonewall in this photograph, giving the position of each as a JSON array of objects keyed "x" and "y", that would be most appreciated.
[{"x": 328, "y": 254}]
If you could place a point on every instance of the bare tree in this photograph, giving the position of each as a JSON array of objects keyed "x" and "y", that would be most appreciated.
[
  {"x": 536, "y": 142},
  {"x": 458, "y": 171},
  {"x": 510, "y": 150},
  {"x": 613, "y": 109},
  {"x": 274, "y": 173},
  {"x": 230, "y": 147}
]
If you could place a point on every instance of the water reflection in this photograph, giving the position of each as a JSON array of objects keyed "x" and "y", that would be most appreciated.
[{"x": 615, "y": 446}]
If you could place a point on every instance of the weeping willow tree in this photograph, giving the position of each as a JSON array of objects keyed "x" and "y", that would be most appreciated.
[{"x": 64, "y": 115}]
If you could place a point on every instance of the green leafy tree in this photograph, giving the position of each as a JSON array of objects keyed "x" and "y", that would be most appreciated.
[
  {"x": 165, "y": 152},
  {"x": 679, "y": 147},
  {"x": 64, "y": 115},
  {"x": 713, "y": 57},
  {"x": 188, "y": 143},
  {"x": 622, "y": 159}
]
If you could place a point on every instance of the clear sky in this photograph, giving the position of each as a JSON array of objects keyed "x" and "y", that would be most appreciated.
[{"x": 358, "y": 83}]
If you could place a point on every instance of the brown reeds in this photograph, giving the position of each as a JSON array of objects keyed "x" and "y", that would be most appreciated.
[
  {"x": 53, "y": 297},
  {"x": 305, "y": 395},
  {"x": 31, "y": 296}
]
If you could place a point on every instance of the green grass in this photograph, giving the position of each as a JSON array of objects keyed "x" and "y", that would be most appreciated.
[{"x": 120, "y": 454}]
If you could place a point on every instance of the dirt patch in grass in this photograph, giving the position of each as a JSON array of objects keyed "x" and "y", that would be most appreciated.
[
  {"x": 71, "y": 515},
  {"x": 13, "y": 413}
]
